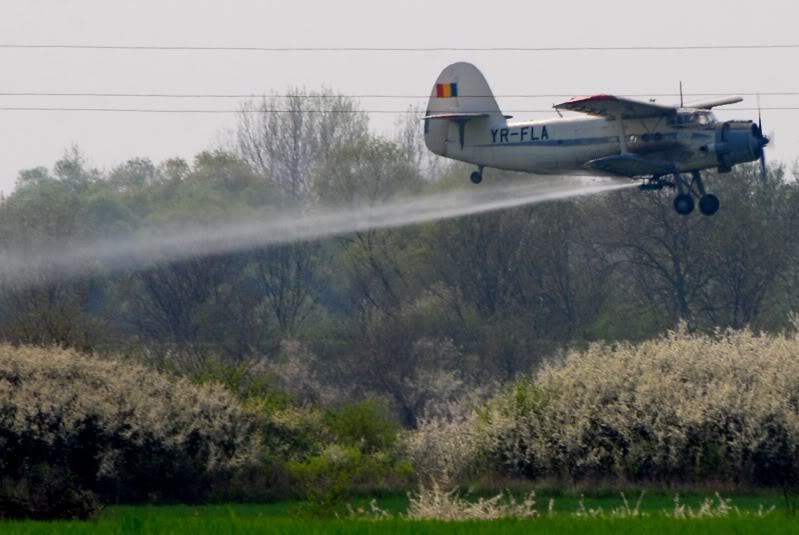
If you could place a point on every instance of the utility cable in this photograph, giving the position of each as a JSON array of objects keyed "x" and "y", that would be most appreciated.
[
  {"x": 59, "y": 46},
  {"x": 372, "y": 95},
  {"x": 272, "y": 111}
]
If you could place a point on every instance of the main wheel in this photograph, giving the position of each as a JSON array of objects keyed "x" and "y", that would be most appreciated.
[
  {"x": 684, "y": 204},
  {"x": 476, "y": 177},
  {"x": 709, "y": 204}
]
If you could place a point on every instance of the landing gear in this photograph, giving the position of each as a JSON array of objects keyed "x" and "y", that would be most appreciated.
[
  {"x": 709, "y": 204},
  {"x": 686, "y": 190},
  {"x": 477, "y": 176},
  {"x": 684, "y": 203}
]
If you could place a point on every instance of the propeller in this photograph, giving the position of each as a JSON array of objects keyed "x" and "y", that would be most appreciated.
[{"x": 764, "y": 140}]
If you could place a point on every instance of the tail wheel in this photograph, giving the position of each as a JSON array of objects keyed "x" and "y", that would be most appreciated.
[
  {"x": 684, "y": 204},
  {"x": 709, "y": 204},
  {"x": 476, "y": 177}
]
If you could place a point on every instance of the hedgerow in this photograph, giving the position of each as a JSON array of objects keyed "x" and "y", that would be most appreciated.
[
  {"x": 74, "y": 425},
  {"x": 721, "y": 407}
]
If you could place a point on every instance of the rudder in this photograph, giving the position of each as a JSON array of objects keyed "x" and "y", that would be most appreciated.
[{"x": 460, "y": 90}]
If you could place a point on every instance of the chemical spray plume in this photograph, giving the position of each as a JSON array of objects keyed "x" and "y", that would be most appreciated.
[{"x": 159, "y": 245}]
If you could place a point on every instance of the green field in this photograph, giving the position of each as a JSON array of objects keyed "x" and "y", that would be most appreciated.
[{"x": 287, "y": 517}]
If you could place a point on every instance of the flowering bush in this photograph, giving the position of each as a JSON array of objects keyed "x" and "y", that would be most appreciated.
[
  {"x": 443, "y": 448},
  {"x": 121, "y": 431},
  {"x": 683, "y": 407}
]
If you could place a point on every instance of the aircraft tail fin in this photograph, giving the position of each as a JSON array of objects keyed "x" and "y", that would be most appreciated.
[{"x": 460, "y": 93}]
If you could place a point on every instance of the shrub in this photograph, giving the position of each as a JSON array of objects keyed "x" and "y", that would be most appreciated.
[
  {"x": 443, "y": 449},
  {"x": 358, "y": 447},
  {"x": 328, "y": 478},
  {"x": 367, "y": 425},
  {"x": 121, "y": 431},
  {"x": 684, "y": 407},
  {"x": 291, "y": 432},
  {"x": 46, "y": 492}
]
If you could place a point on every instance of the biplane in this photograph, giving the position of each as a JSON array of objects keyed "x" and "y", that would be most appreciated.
[{"x": 664, "y": 146}]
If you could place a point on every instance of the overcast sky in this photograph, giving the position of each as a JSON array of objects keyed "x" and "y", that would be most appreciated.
[{"x": 30, "y": 139}]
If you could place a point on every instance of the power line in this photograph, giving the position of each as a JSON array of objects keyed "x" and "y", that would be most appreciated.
[
  {"x": 366, "y": 95},
  {"x": 259, "y": 111},
  {"x": 399, "y": 49}
]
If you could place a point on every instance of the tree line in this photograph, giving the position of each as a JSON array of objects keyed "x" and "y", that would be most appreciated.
[{"x": 411, "y": 315}]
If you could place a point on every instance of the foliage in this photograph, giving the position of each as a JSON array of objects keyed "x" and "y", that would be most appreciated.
[
  {"x": 328, "y": 478},
  {"x": 366, "y": 425},
  {"x": 503, "y": 290},
  {"x": 444, "y": 449},
  {"x": 120, "y": 431},
  {"x": 362, "y": 453},
  {"x": 683, "y": 407},
  {"x": 331, "y": 346},
  {"x": 46, "y": 491}
]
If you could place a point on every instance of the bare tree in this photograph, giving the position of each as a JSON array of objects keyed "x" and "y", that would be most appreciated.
[
  {"x": 752, "y": 242},
  {"x": 371, "y": 172},
  {"x": 286, "y": 139},
  {"x": 53, "y": 312},
  {"x": 169, "y": 304},
  {"x": 565, "y": 274},
  {"x": 286, "y": 274},
  {"x": 393, "y": 357},
  {"x": 706, "y": 271},
  {"x": 409, "y": 134},
  {"x": 664, "y": 253}
]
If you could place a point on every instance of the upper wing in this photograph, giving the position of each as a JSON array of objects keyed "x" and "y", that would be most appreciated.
[
  {"x": 712, "y": 103},
  {"x": 611, "y": 107}
]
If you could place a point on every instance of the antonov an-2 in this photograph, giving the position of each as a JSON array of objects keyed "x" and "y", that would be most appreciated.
[{"x": 617, "y": 137}]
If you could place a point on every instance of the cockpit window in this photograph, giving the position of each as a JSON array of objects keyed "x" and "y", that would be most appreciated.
[
  {"x": 697, "y": 118},
  {"x": 704, "y": 118}
]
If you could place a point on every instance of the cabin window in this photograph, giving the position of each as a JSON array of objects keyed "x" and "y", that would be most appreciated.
[
  {"x": 699, "y": 118},
  {"x": 703, "y": 118}
]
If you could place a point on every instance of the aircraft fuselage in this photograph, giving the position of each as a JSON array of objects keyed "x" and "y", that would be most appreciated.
[
  {"x": 613, "y": 135},
  {"x": 562, "y": 145}
]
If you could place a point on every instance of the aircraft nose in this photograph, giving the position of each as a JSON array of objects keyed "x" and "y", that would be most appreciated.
[
  {"x": 757, "y": 133},
  {"x": 739, "y": 142},
  {"x": 758, "y": 141}
]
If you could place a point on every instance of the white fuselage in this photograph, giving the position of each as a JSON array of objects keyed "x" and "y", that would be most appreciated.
[{"x": 566, "y": 145}]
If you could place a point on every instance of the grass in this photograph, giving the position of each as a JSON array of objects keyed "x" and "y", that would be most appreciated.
[
  {"x": 565, "y": 526},
  {"x": 280, "y": 518}
]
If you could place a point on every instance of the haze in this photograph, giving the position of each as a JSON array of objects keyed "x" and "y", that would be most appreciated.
[
  {"x": 167, "y": 244},
  {"x": 32, "y": 139}
]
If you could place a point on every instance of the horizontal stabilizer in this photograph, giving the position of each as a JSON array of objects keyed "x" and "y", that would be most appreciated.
[
  {"x": 453, "y": 116},
  {"x": 630, "y": 165}
]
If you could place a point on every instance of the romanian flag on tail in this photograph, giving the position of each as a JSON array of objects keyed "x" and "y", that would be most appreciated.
[{"x": 446, "y": 90}]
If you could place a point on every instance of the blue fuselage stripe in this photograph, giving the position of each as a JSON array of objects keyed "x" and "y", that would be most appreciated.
[{"x": 557, "y": 142}]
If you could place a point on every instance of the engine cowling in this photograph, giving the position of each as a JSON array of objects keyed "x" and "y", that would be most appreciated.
[{"x": 738, "y": 142}]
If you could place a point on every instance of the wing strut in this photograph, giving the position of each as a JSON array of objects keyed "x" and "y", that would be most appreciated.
[{"x": 622, "y": 135}]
